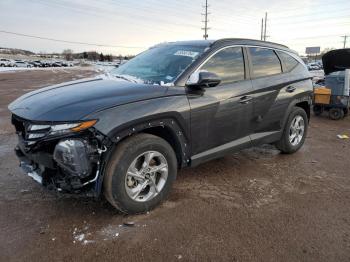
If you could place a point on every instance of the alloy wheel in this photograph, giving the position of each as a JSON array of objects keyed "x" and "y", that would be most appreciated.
[
  {"x": 146, "y": 176},
  {"x": 296, "y": 130}
]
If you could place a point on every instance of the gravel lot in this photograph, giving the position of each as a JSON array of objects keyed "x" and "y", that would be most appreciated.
[{"x": 256, "y": 205}]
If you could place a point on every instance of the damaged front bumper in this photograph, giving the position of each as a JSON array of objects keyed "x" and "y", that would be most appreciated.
[{"x": 67, "y": 163}]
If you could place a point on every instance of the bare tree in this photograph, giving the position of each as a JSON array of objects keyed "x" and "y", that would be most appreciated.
[{"x": 68, "y": 54}]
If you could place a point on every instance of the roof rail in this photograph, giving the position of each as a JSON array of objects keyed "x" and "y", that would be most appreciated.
[{"x": 251, "y": 41}]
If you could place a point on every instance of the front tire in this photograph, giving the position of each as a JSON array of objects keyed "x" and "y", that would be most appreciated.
[
  {"x": 294, "y": 132},
  {"x": 140, "y": 173}
]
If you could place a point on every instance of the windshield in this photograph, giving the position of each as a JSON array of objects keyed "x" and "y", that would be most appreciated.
[{"x": 161, "y": 64}]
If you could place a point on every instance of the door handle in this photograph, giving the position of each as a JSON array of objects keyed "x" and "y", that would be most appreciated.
[
  {"x": 290, "y": 89},
  {"x": 245, "y": 99}
]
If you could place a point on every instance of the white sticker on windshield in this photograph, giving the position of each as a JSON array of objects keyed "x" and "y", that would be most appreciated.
[
  {"x": 169, "y": 78},
  {"x": 186, "y": 53}
]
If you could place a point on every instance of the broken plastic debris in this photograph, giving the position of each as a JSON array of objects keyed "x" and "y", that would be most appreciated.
[
  {"x": 80, "y": 237},
  {"x": 343, "y": 136},
  {"x": 88, "y": 242},
  {"x": 179, "y": 256},
  {"x": 129, "y": 223}
]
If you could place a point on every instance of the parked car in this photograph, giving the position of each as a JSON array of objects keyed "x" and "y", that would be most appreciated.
[
  {"x": 46, "y": 63},
  {"x": 19, "y": 63},
  {"x": 64, "y": 63},
  {"x": 56, "y": 64},
  {"x": 6, "y": 62},
  {"x": 176, "y": 105},
  {"x": 313, "y": 66},
  {"x": 35, "y": 63}
]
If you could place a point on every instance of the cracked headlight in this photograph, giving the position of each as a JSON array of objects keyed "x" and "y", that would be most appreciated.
[{"x": 60, "y": 128}]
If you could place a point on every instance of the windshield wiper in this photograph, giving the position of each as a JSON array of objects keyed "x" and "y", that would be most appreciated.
[{"x": 126, "y": 78}]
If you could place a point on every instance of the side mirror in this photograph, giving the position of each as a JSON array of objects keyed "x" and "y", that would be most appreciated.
[{"x": 203, "y": 79}]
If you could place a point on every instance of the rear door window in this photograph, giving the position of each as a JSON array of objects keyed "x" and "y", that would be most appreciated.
[
  {"x": 289, "y": 62},
  {"x": 265, "y": 62},
  {"x": 228, "y": 64}
]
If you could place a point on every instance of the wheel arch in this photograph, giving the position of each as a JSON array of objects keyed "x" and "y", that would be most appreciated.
[
  {"x": 303, "y": 102},
  {"x": 167, "y": 127},
  {"x": 306, "y": 106}
]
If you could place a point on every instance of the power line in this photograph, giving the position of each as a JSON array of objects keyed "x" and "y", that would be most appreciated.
[
  {"x": 279, "y": 9},
  {"x": 206, "y": 20},
  {"x": 67, "y": 41},
  {"x": 318, "y": 15},
  {"x": 303, "y": 38},
  {"x": 159, "y": 21},
  {"x": 103, "y": 12}
]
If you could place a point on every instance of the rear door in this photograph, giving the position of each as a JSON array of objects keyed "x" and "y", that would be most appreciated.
[
  {"x": 271, "y": 92},
  {"x": 221, "y": 116}
]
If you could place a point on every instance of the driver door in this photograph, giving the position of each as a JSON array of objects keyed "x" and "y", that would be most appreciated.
[{"x": 221, "y": 116}]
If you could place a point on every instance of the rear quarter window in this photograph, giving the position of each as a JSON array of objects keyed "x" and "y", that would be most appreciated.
[
  {"x": 265, "y": 62},
  {"x": 289, "y": 62}
]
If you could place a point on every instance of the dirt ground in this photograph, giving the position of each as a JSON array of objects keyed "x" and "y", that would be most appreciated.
[{"x": 256, "y": 205}]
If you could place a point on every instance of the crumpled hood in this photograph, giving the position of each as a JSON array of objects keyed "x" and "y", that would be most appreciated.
[
  {"x": 73, "y": 100},
  {"x": 336, "y": 60}
]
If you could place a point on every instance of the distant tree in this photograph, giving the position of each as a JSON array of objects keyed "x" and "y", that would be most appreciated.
[
  {"x": 102, "y": 57},
  {"x": 85, "y": 55},
  {"x": 93, "y": 56},
  {"x": 68, "y": 54},
  {"x": 109, "y": 58}
]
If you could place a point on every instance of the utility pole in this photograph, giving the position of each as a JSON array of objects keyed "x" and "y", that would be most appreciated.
[
  {"x": 345, "y": 39},
  {"x": 265, "y": 26},
  {"x": 206, "y": 28},
  {"x": 262, "y": 29}
]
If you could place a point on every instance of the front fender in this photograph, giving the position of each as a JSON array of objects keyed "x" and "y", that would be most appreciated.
[
  {"x": 171, "y": 112},
  {"x": 115, "y": 119}
]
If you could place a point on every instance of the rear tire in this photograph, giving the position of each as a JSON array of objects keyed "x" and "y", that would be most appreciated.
[
  {"x": 294, "y": 134},
  {"x": 336, "y": 113},
  {"x": 129, "y": 184}
]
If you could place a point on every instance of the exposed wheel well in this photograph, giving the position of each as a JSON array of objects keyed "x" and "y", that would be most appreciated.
[
  {"x": 168, "y": 135},
  {"x": 305, "y": 105}
]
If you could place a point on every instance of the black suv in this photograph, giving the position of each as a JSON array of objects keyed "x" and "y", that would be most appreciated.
[{"x": 175, "y": 105}]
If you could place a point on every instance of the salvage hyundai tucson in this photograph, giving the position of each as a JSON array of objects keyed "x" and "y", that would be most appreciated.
[{"x": 176, "y": 105}]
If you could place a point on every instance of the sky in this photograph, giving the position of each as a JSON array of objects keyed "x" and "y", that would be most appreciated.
[{"x": 131, "y": 26}]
